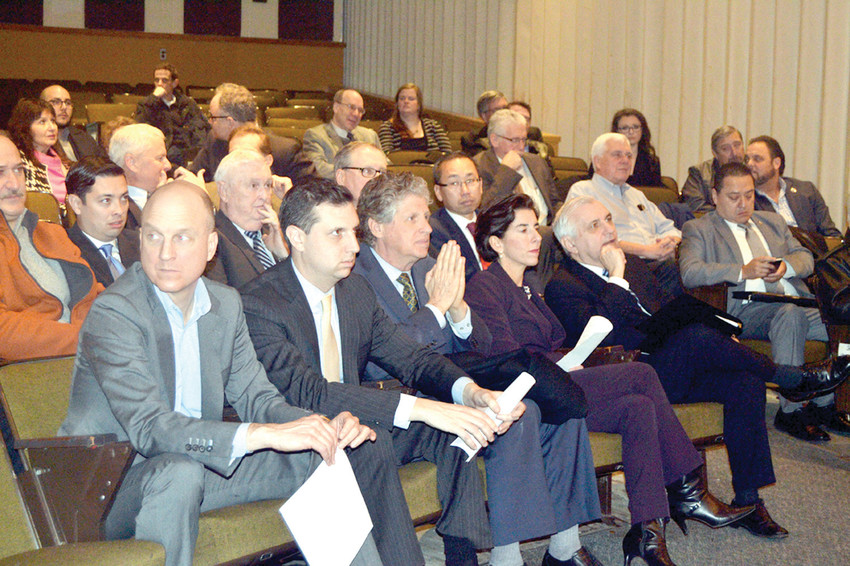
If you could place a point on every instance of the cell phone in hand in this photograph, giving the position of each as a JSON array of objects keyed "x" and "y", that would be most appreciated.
[{"x": 775, "y": 263}]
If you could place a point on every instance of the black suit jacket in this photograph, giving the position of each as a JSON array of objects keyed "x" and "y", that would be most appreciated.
[
  {"x": 575, "y": 294},
  {"x": 83, "y": 144},
  {"x": 284, "y": 335},
  {"x": 806, "y": 203},
  {"x": 134, "y": 216},
  {"x": 235, "y": 263},
  {"x": 443, "y": 229},
  {"x": 128, "y": 249},
  {"x": 288, "y": 160}
]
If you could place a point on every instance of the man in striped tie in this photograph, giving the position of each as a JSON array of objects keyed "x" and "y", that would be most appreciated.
[
  {"x": 250, "y": 240},
  {"x": 97, "y": 193}
]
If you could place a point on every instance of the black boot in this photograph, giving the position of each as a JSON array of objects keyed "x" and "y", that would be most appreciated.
[
  {"x": 689, "y": 499},
  {"x": 647, "y": 540}
]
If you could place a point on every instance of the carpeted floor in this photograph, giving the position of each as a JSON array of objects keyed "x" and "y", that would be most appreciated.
[{"x": 810, "y": 498}]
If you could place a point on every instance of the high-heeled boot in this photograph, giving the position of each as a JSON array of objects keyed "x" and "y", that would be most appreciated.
[
  {"x": 690, "y": 499},
  {"x": 647, "y": 540}
]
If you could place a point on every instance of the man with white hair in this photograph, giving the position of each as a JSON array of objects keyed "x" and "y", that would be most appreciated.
[
  {"x": 139, "y": 149},
  {"x": 75, "y": 141},
  {"x": 507, "y": 168},
  {"x": 249, "y": 236},
  {"x": 233, "y": 106},
  {"x": 643, "y": 230},
  {"x": 356, "y": 164}
]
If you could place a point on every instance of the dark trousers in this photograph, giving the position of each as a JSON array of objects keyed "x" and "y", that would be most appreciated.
[
  {"x": 700, "y": 364},
  {"x": 628, "y": 399}
]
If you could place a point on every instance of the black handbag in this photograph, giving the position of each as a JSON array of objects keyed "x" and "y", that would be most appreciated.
[{"x": 833, "y": 283}]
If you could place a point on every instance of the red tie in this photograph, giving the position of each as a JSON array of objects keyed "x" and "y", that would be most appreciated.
[{"x": 472, "y": 227}]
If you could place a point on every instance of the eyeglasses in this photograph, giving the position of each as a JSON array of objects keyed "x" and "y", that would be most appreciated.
[
  {"x": 353, "y": 108},
  {"x": 470, "y": 183},
  {"x": 514, "y": 140},
  {"x": 60, "y": 102},
  {"x": 211, "y": 118},
  {"x": 368, "y": 172},
  {"x": 624, "y": 129}
]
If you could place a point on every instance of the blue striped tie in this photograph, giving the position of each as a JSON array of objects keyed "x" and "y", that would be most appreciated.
[{"x": 260, "y": 250}]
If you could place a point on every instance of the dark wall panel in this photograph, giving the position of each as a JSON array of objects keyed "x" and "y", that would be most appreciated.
[
  {"x": 127, "y": 15},
  {"x": 212, "y": 17},
  {"x": 29, "y": 12},
  {"x": 306, "y": 19}
]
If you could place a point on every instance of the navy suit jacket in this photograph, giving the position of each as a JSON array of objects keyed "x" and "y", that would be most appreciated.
[
  {"x": 128, "y": 249},
  {"x": 285, "y": 337},
  {"x": 83, "y": 144},
  {"x": 807, "y": 204},
  {"x": 443, "y": 229},
  {"x": 422, "y": 325}
]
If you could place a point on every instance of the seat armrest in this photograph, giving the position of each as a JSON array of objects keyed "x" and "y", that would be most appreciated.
[
  {"x": 93, "y": 441},
  {"x": 715, "y": 295}
]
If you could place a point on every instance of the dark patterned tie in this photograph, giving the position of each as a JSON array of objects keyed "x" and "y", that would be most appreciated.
[
  {"x": 409, "y": 293},
  {"x": 349, "y": 138},
  {"x": 260, "y": 250}
]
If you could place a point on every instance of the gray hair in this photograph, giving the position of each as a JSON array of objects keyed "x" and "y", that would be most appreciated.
[
  {"x": 232, "y": 163},
  {"x": 132, "y": 139},
  {"x": 564, "y": 224},
  {"x": 237, "y": 102},
  {"x": 601, "y": 143},
  {"x": 502, "y": 118},
  {"x": 486, "y": 98},
  {"x": 723, "y": 132},
  {"x": 344, "y": 156},
  {"x": 380, "y": 199}
]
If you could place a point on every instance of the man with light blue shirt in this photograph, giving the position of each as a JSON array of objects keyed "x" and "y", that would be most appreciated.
[
  {"x": 159, "y": 355},
  {"x": 322, "y": 142},
  {"x": 643, "y": 230}
]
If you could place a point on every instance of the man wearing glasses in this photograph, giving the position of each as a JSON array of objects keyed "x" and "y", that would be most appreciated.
[
  {"x": 322, "y": 142},
  {"x": 356, "y": 163},
  {"x": 506, "y": 168},
  {"x": 75, "y": 141},
  {"x": 457, "y": 186}
]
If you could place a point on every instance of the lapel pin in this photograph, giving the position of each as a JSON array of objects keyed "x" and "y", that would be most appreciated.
[{"x": 793, "y": 189}]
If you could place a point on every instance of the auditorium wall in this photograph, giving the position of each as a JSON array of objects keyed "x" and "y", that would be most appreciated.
[{"x": 778, "y": 67}]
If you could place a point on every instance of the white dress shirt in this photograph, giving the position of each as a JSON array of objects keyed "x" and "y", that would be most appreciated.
[
  {"x": 139, "y": 196},
  {"x": 463, "y": 224},
  {"x": 757, "y": 285}
]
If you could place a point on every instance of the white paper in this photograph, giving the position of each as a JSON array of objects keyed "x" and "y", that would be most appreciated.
[
  {"x": 327, "y": 515},
  {"x": 594, "y": 333},
  {"x": 509, "y": 399},
  {"x": 843, "y": 349}
]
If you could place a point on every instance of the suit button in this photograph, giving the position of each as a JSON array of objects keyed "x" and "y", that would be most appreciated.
[
  {"x": 195, "y": 447},
  {"x": 209, "y": 448},
  {"x": 188, "y": 448}
]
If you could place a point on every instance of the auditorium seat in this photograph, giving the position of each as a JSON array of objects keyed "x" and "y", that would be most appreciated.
[
  {"x": 293, "y": 122},
  {"x": 127, "y": 98},
  {"x": 45, "y": 206},
  {"x": 308, "y": 112},
  {"x": 103, "y": 113}
]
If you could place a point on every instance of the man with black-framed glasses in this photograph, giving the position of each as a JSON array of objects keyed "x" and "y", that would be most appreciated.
[
  {"x": 323, "y": 142},
  {"x": 356, "y": 164},
  {"x": 75, "y": 141}
]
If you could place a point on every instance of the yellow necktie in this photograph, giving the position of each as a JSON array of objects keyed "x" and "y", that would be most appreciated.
[{"x": 330, "y": 349}]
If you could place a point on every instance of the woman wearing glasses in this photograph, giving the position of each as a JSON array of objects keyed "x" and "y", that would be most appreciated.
[
  {"x": 407, "y": 129},
  {"x": 33, "y": 129},
  {"x": 647, "y": 167}
]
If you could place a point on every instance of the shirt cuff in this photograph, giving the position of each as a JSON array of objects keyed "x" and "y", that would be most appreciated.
[
  {"x": 240, "y": 442},
  {"x": 403, "y": 411},
  {"x": 463, "y": 328},
  {"x": 458, "y": 387},
  {"x": 789, "y": 271},
  {"x": 619, "y": 282},
  {"x": 441, "y": 318}
]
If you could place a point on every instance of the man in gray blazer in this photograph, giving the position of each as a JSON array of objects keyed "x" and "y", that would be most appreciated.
[
  {"x": 798, "y": 202},
  {"x": 309, "y": 319},
  {"x": 158, "y": 356},
  {"x": 322, "y": 142},
  {"x": 727, "y": 145},
  {"x": 734, "y": 244}
]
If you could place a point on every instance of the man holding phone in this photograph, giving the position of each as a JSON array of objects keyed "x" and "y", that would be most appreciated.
[{"x": 755, "y": 251}]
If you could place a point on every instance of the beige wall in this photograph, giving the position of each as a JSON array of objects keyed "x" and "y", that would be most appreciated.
[
  {"x": 778, "y": 67},
  {"x": 88, "y": 55}
]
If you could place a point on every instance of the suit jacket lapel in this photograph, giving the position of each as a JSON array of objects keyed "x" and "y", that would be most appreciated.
[
  {"x": 541, "y": 183},
  {"x": 212, "y": 380},
  {"x": 163, "y": 339},
  {"x": 348, "y": 332},
  {"x": 725, "y": 234},
  {"x": 384, "y": 288},
  {"x": 456, "y": 234},
  {"x": 292, "y": 294},
  {"x": 336, "y": 141},
  {"x": 91, "y": 254},
  {"x": 228, "y": 229}
]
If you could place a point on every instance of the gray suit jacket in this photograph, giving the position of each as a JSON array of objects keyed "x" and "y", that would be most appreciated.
[
  {"x": 321, "y": 144},
  {"x": 696, "y": 192},
  {"x": 124, "y": 376},
  {"x": 500, "y": 180},
  {"x": 422, "y": 326},
  {"x": 807, "y": 204},
  {"x": 710, "y": 254}
]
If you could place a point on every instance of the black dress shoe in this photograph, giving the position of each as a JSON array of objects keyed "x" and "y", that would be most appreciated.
[
  {"x": 761, "y": 524},
  {"x": 819, "y": 378},
  {"x": 690, "y": 500},
  {"x": 836, "y": 421},
  {"x": 800, "y": 424},
  {"x": 581, "y": 558}
]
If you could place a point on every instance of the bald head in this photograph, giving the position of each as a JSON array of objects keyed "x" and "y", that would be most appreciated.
[
  {"x": 182, "y": 193},
  {"x": 60, "y": 99}
]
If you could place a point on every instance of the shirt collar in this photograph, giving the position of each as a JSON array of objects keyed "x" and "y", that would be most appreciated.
[
  {"x": 783, "y": 186},
  {"x": 339, "y": 131},
  {"x": 597, "y": 178},
  {"x": 735, "y": 225},
  {"x": 460, "y": 220},
  {"x": 314, "y": 294},
  {"x": 98, "y": 243},
  {"x": 391, "y": 271},
  {"x": 200, "y": 305},
  {"x": 598, "y": 270},
  {"x": 139, "y": 196}
]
